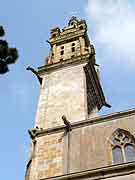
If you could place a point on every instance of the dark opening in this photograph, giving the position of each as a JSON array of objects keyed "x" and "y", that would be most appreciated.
[
  {"x": 81, "y": 27},
  {"x": 72, "y": 56},
  {"x": 62, "y": 52},
  {"x": 73, "y": 44},
  {"x": 54, "y": 35},
  {"x": 72, "y": 23},
  {"x": 73, "y": 49}
]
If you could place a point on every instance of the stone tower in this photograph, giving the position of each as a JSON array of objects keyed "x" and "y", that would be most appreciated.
[
  {"x": 64, "y": 89},
  {"x": 70, "y": 140}
]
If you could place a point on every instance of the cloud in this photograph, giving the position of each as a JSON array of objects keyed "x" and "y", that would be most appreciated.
[{"x": 112, "y": 27}]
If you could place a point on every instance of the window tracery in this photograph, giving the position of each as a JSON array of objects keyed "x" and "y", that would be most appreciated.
[{"x": 123, "y": 147}]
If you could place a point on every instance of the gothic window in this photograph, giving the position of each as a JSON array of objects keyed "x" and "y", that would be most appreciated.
[
  {"x": 123, "y": 146},
  {"x": 117, "y": 154},
  {"x": 130, "y": 152}
]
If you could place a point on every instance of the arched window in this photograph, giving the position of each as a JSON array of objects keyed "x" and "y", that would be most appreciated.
[
  {"x": 123, "y": 146},
  {"x": 129, "y": 152},
  {"x": 117, "y": 154}
]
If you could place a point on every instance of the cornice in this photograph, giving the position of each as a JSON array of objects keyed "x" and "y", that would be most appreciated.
[
  {"x": 88, "y": 122},
  {"x": 99, "y": 173},
  {"x": 64, "y": 37},
  {"x": 69, "y": 62}
]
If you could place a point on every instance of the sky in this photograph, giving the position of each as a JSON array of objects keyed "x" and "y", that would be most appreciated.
[{"x": 27, "y": 24}]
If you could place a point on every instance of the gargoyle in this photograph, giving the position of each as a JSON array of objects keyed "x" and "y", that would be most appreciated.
[
  {"x": 35, "y": 73},
  {"x": 67, "y": 123}
]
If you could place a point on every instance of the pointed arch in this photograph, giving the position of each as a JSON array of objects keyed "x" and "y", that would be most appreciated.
[
  {"x": 123, "y": 146},
  {"x": 123, "y": 131}
]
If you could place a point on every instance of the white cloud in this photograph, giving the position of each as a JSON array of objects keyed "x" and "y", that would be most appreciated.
[{"x": 112, "y": 25}]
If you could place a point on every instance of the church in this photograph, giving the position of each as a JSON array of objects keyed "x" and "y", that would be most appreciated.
[{"x": 70, "y": 140}]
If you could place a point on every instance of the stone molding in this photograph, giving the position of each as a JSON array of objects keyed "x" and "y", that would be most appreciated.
[
  {"x": 83, "y": 123},
  {"x": 68, "y": 36},
  {"x": 99, "y": 173},
  {"x": 69, "y": 62},
  {"x": 71, "y": 31}
]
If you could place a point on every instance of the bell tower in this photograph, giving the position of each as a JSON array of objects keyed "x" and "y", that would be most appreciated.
[
  {"x": 70, "y": 92},
  {"x": 70, "y": 78}
]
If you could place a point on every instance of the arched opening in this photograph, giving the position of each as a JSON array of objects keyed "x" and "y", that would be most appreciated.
[
  {"x": 129, "y": 152},
  {"x": 123, "y": 146},
  {"x": 117, "y": 155}
]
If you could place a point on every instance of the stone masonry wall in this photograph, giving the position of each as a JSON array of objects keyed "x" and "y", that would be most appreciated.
[
  {"x": 84, "y": 148},
  {"x": 90, "y": 146},
  {"x": 48, "y": 160},
  {"x": 63, "y": 93}
]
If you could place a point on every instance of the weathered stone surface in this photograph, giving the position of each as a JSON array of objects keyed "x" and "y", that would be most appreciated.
[
  {"x": 126, "y": 177},
  {"x": 85, "y": 147},
  {"x": 71, "y": 36},
  {"x": 90, "y": 146},
  {"x": 48, "y": 160},
  {"x": 63, "y": 93},
  {"x": 85, "y": 150}
]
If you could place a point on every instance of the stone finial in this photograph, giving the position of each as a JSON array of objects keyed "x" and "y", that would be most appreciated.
[
  {"x": 73, "y": 20},
  {"x": 55, "y": 32}
]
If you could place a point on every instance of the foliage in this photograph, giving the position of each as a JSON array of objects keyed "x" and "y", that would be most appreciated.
[{"x": 7, "y": 55}]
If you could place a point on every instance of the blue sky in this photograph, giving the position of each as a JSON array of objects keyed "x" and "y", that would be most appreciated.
[{"x": 27, "y": 25}]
